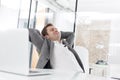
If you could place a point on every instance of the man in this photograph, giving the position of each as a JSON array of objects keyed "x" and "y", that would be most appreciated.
[{"x": 50, "y": 46}]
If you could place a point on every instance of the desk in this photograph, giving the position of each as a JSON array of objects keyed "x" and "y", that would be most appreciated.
[
  {"x": 56, "y": 75},
  {"x": 99, "y": 70}
]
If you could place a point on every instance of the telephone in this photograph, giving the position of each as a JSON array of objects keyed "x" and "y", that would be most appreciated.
[{"x": 102, "y": 62}]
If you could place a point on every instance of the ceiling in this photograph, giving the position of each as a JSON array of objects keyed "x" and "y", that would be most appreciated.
[
  {"x": 60, "y": 5},
  {"x": 107, "y": 6}
]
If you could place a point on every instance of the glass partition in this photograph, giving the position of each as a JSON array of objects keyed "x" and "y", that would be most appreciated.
[
  {"x": 61, "y": 13},
  {"x": 98, "y": 33},
  {"x": 14, "y": 14},
  {"x": 37, "y": 13},
  {"x": 24, "y": 14}
]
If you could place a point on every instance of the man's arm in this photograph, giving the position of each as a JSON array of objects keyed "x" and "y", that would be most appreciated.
[
  {"x": 69, "y": 36},
  {"x": 36, "y": 38}
]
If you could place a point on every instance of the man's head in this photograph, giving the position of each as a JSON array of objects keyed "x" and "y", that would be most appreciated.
[{"x": 51, "y": 32}]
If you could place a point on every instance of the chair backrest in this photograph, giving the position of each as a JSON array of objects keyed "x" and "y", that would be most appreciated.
[{"x": 84, "y": 55}]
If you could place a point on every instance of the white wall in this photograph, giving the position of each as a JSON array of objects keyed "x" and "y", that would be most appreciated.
[
  {"x": 108, "y": 6},
  {"x": 114, "y": 50},
  {"x": 9, "y": 14},
  {"x": 8, "y": 18},
  {"x": 0, "y": 2},
  {"x": 114, "y": 47}
]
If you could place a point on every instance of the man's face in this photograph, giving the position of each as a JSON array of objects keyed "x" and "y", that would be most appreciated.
[{"x": 53, "y": 33}]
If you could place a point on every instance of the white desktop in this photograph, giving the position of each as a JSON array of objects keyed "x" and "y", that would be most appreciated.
[{"x": 55, "y": 75}]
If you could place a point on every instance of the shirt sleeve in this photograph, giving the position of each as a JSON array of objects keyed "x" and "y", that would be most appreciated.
[{"x": 36, "y": 38}]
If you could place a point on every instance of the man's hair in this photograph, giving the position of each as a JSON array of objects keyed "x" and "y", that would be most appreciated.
[{"x": 44, "y": 31}]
